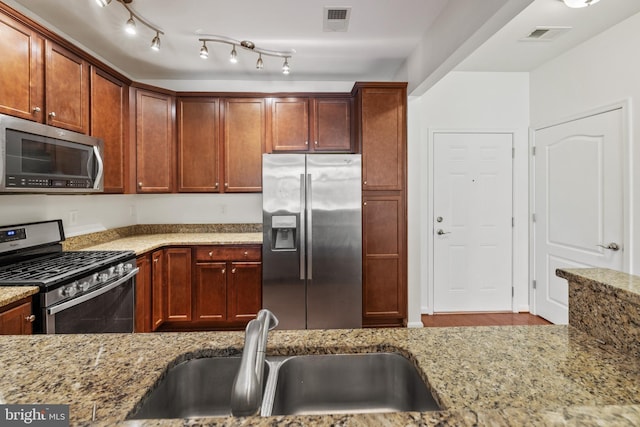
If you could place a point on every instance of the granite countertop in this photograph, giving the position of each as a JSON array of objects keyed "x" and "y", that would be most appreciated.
[
  {"x": 10, "y": 294},
  {"x": 623, "y": 286},
  {"x": 510, "y": 375},
  {"x": 143, "y": 243}
]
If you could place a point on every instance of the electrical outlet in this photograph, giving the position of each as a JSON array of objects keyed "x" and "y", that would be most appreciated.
[
  {"x": 223, "y": 209},
  {"x": 73, "y": 217}
]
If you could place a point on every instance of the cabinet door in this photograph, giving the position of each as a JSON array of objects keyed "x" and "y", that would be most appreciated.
[
  {"x": 154, "y": 142},
  {"x": 17, "y": 320},
  {"x": 244, "y": 142},
  {"x": 245, "y": 291},
  {"x": 210, "y": 300},
  {"x": 21, "y": 68},
  {"x": 198, "y": 146},
  {"x": 384, "y": 241},
  {"x": 143, "y": 294},
  {"x": 289, "y": 124},
  {"x": 331, "y": 124},
  {"x": 383, "y": 133},
  {"x": 67, "y": 89},
  {"x": 108, "y": 103},
  {"x": 158, "y": 297},
  {"x": 178, "y": 284}
]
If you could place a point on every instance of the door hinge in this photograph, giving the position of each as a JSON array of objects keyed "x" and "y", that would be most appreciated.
[
  {"x": 513, "y": 292},
  {"x": 533, "y": 217},
  {"x": 513, "y": 222},
  {"x": 513, "y": 152},
  {"x": 533, "y": 150},
  {"x": 534, "y": 284}
]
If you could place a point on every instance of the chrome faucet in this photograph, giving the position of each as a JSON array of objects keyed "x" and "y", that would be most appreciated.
[{"x": 246, "y": 394}]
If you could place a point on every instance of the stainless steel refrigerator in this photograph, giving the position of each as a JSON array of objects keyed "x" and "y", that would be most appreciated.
[{"x": 312, "y": 245}]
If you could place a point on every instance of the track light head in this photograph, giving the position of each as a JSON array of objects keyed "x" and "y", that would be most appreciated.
[
  {"x": 285, "y": 67},
  {"x": 103, "y": 3},
  {"x": 233, "y": 58},
  {"x": 130, "y": 26},
  {"x": 155, "y": 43},
  {"x": 204, "y": 52},
  {"x": 259, "y": 63}
]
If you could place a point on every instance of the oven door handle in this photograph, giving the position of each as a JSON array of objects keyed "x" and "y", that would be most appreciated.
[{"x": 71, "y": 303}]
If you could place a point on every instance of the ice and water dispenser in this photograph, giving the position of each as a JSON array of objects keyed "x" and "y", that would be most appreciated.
[{"x": 283, "y": 229}]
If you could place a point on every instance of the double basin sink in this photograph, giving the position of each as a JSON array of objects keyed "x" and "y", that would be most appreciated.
[{"x": 293, "y": 385}]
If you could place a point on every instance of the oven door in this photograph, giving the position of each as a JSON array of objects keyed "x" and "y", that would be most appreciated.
[{"x": 106, "y": 309}]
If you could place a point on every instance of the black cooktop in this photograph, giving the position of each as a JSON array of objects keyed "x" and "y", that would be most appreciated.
[{"x": 61, "y": 266}]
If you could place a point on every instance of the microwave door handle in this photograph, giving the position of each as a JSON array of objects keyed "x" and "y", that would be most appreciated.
[
  {"x": 71, "y": 303},
  {"x": 96, "y": 182}
]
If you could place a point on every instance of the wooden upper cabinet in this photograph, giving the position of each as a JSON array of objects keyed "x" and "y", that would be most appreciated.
[
  {"x": 109, "y": 101},
  {"x": 155, "y": 157},
  {"x": 383, "y": 137},
  {"x": 198, "y": 144},
  {"x": 244, "y": 124},
  {"x": 67, "y": 89},
  {"x": 310, "y": 124},
  {"x": 289, "y": 124},
  {"x": 331, "y": 124},
  {"x": 21, "y": 71}
]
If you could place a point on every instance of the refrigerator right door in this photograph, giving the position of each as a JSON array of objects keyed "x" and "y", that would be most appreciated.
[{"x": 334, "y": 241}]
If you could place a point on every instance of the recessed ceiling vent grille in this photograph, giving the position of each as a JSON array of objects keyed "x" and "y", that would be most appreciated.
[
  {"x": 545, "y": 34},
  {"x": 336, "y": 19}
]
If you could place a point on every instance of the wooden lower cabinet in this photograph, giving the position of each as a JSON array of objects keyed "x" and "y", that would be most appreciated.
[
  {"x": 17, "y": 318},
  {"x": 199, "y": 288},
  {"x": 384, "y": 260}
]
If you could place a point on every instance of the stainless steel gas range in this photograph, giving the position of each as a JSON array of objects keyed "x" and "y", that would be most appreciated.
[{"x": 80, "y": 291}]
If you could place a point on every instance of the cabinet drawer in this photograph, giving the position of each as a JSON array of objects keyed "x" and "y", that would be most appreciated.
[{"x": 228, "y": 253}]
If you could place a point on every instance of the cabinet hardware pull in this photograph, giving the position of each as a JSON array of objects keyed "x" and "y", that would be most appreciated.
[
  {"x": 31, "y": 318},
  {"x": 316, "y": 142},
  {"x": 140, "y": 184},
  {"x": 226, "y": 184},
  {"x": 233, "y": 270},
  {"x": 52, "y": 114},
  {"x": 246, "y": 253},
  {"x": 365, "y": 183},
  {"x": 223, "y": 271},
  {"x": 306, "y": 143},
  {"x": 155, "y": 261},
  {"x": 215, "y": 185},
  {"x": 365, "y": 203},
  {"x": 36, "y": 110},
  {"x": 211, "y": 254}
]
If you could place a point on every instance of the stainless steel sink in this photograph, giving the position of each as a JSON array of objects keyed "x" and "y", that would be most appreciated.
[
  {"x": 194, "y": 388},
  {"x": 349, "y": 383}
]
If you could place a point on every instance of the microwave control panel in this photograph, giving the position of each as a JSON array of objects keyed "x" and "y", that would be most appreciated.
[{"x": 26, "y": 181}]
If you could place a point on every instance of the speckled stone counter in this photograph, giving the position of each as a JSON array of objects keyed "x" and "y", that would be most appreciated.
[
  {"x": 137, "y": 235},
  {"x": 605, "y": 304},
  {"x": 520, "y": 375},
  {"x": 10, "y": 294}
]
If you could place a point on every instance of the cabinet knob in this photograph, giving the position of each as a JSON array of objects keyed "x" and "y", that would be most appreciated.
[
  {"x": 364, "y": 204},
  {"x": 226, "y": 184},
  {"x": 224, "y": 270},
  {"x": 316, "y": 143},
  {"x": 210, "y": 254},
  {"x": 140, "y": 184},
  {"x": 36, "y": 110},
  {"x": 215, "y": 185},
  {"x": 306, "y": 143},
  {"x": 246, "y": 253},
  {"x": 31, "y": 318},
  {"x": 155, "y": 261},
  {"x": 52, "y": 114},
  {"x": 365, "y": 183},
  {"x": 233, "y": 270}
]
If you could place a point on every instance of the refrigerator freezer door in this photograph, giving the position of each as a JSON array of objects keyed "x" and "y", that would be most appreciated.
[
  {"x": 283, "y": 290},
  {"x": 334, "y": 241}
]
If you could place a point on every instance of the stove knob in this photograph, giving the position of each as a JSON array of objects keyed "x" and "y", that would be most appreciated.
[
  {"x": 120, "y": 269},
  {"x": 94, "y": 278},
  {"x": 84, "y": 286},
  {"x": 69, "y": 291},
  {"x": 103, "y": 277},
  {"x": 128, "y": 267},
  {"x": 111, "y": 271}
]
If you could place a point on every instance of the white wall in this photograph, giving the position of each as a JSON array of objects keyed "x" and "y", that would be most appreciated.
[
  {"x": 599, "y": 72},
  {"x": 470, "y": 101}
]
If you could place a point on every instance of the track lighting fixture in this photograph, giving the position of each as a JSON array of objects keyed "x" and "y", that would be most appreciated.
[
  {"x": 246, "y": 45},
  {"x": 233, "y": 58},
  {"x": 130, "y": 26},
  {"x": 155, "y": 43},
  {"x": 204, "y": 52},
  {"x": 580, "y": 3}
]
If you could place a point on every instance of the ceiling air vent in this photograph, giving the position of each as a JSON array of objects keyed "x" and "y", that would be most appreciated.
[
  {"x": 545, "y": 34},
  {"x": 336, "y": 19}
]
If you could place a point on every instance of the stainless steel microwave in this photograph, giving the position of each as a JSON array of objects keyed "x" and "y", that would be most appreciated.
[{"x": 37, "y": 158}]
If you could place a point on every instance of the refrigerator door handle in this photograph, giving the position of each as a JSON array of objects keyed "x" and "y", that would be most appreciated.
[
  {"x": 302, "y": 232},
  {"x": 309, "y": 208}
]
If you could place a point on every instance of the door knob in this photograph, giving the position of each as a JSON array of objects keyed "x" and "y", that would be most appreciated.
[
  {"x": 612, "y": 246},
  {"x": 440, "y": 232},
  {"x": 439, "y": 219}
]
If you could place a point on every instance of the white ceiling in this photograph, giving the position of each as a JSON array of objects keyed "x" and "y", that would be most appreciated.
[{"x": 381, "y": 35}]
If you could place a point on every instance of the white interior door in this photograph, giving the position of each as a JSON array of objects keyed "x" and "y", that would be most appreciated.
[
  {"x": 472, "y": 222},
  {"x": 578, "y": 205}
]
